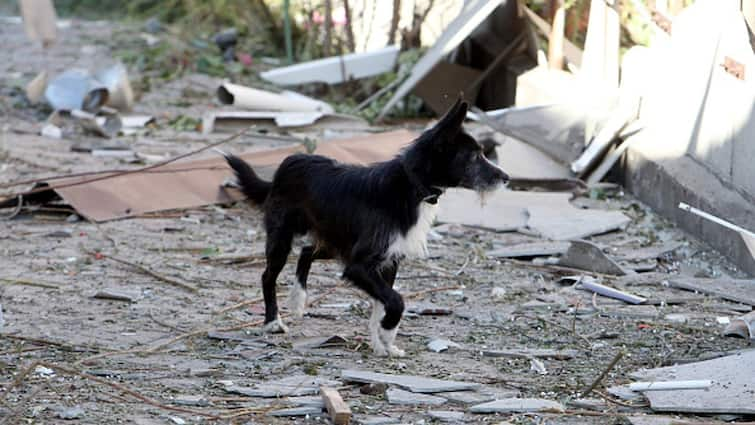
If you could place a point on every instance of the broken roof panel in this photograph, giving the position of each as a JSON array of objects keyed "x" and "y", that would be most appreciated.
[{"x": 471, "y": 15}]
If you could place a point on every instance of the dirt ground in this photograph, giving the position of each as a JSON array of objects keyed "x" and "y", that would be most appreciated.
[{"x": 134, "y": 361}]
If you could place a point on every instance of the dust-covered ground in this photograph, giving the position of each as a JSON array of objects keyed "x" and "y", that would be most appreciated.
[{"x": 171, "y": 354}]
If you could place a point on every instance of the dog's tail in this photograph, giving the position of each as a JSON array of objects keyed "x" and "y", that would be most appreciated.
[{"x": 251, "y": 184}]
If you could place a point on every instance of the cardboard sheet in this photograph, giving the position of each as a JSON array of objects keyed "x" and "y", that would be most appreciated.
[{"x": 189, "y": 184}]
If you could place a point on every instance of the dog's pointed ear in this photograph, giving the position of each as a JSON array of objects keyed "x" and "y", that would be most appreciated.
[{"x": 451, "y": 122}]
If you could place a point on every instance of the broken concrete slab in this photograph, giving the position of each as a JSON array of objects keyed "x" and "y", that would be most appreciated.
[
  {"x": 737, "y": 290},
  {"x": 470, "y": 16},
  {"x": 742, "y": 327},
  {"x": 292, "y": 386},
  {"x": 540, "y": 353},
  {"x": 531, "y": 249},
  {"x": 311, "y": 401},
  {"x": 398, "y": 396},
  {"x": 728, "y": 393},
  {"x": 518, "y": 405},
  {"x": 320, "y": 342},
  {"x": 375, "y": 420},
  {"x": 466, "y": 398},
  {"x": 569, "y": 223},
  {"x": 446, "y": 415},
  {"x": 550, "y": 213},
  {"x": 416, "y": 384},
  {"x": 588, "y": 256},
  {"x": 646, "y": 253},
  {"x": 297, "y": 411}
]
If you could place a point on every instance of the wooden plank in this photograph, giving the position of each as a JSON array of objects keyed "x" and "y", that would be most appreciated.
[{"x": 339, "y": 411}]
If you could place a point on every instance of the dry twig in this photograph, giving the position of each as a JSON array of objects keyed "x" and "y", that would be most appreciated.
[
  {"x": 602, "y": 376},
  {"x": 147, "y": 271}
]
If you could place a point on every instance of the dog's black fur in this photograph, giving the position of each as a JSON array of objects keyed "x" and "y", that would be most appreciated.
[{"x": 355, "y": 213}]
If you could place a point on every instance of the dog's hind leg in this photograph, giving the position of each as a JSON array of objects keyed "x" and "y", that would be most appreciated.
[
  {"x": 277, "y": 248},
  {"x": 388, "y": 306},
  {"x": 297, "y": 298}
]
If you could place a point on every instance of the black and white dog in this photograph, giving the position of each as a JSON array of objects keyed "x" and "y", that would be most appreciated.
[{"x": 369, "y": 218}]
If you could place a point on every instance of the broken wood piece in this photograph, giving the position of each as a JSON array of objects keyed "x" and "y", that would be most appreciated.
[
  {"x": 670, "y": 385},
  {"x": 588, "y": 283},
  {"x": 603, "y": 374},
  {"x": 588, "y": 256},
  {"x": 339, "y": 411}
]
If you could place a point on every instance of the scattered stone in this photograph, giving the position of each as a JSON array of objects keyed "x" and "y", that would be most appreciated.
[
  {"x": 115, "y": 295},
  {"x": 538, "y": 366},
  {"x": 676, "y": 317},
  {"x": 586, "y": 255},
  {"x": 438, "y": 345},
  {"x": 429, "y": 309},
  {"x": 70, "y": 413},
  {"x": 60, "y": 233},
  {"x": 416, "y": 384},
  {"x": 44, "y": 371},
  {"x": 540, "y": 353},
  {"x": 517, "y": 405},
  {"x": 498, "y": 293},
  {"x": 191, "y": 400},
  {"x": 373, "y": 389},
  {"x": 446, "y": 415},
  {"x": 397, "y": 396}
]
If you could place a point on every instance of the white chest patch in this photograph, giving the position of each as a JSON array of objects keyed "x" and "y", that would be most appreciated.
[{"x": 414, "y": 242}]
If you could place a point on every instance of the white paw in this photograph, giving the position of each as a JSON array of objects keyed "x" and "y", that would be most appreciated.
[
  {"x": 379, "y": 350},
  {"x": 275, "y": 327},
  {"x": 297, "y": 301},
  {"x": 394, "y": 351}
]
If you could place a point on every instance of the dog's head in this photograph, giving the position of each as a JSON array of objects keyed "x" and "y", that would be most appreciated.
[{"x": 455, "y": 158}]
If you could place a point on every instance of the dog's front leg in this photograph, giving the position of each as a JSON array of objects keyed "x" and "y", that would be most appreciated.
[{"x": 388, "y": 306}]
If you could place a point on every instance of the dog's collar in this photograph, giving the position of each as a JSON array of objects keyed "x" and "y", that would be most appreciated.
[{"x": 429, "y": 194}]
